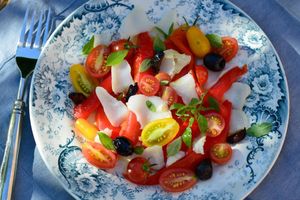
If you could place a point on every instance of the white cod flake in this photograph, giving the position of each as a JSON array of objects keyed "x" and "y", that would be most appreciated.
[
  {"x": 237, "y": 94},
  {"x": 137, "y": 104},
  {"x": 173, "y": 159},
  {"x": 155, "y": 156},
  {"x": 121, "y": 77},
  {"x": 238, "y": 121},
  {"x": 185, "y": 88},
  {"x": 173, "y": 62},
  {"x": 115, "y": 111},
  {"x": 198, "y": 145}
]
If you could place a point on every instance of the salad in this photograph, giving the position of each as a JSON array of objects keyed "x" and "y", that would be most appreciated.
[{"x": 143, "y": 105}]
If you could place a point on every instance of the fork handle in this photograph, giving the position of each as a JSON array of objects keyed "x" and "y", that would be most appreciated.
[{"x": 10, "y": 159}]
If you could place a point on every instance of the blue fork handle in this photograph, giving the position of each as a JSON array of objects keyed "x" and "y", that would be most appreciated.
[{"x": 10, "y": 159}]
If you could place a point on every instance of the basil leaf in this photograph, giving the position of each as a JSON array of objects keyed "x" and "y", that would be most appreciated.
[
  {"x": 138, "y": 150},
  {"x": 158, "y": 44},
  {"x": 161, "y": 32},
  {"x": 146, "y": 64},
  {"x": 171, "y": 29},
  {"x": 213, "y": 103},
  {"x": 214, "y": 40},
  {"x": 259, "y": 130},
  {"x": 174, "y": 147},
  {"x": 191, "y": 121},
  {"x": 116, "y": 57},
  {"x": 202, "y": 123},
  {"x": 106, "y": 141},
  {"x": 194, "y": 101},
  {"x": 150, "y": 106},
  {"x": 176, "y": 106},
  {"x": 87, "y": 48},
  {"x": 187, "y": 137}
]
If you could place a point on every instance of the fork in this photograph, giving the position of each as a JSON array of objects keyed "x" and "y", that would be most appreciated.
[{"x": 28, "y": 51}]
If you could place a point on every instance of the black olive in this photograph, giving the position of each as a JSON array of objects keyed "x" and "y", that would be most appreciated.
[
  {"x": 236, "y": 137},
  {"x": 214, "y": 62},
  {"x": 204, "y": 170},
  {"x": 132, "y": 90},
  {"x": 77, "y": 97},
  {"x": 156, "y": 60},
  {"x": 123, "y": 146}
]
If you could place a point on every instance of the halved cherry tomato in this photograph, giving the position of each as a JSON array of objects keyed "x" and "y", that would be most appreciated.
[
  {"x": 229, "y": 49},
  {"x": 177, "y": 180},
  {"x": 98, "y": 155},
  {"x": 96, "y": 60},
  {"x": 160, "y": 132},
  {"x": 102, "y": 123},
  {"x": 88, "y": 130},
  {"x": 163, "y": 76},
  {"x": 225, "y": 82},
  {"x": 81, "y": 81},
  {"x": 149, "y": 85},
  {"x": 198, "y": 42},
  {"x": 88, "y": 106},
  {"x": 216, "y": 124},
  {"x": 221, "y": 153},
  {"x": 123, "y": 44},
  {"x": 138, "y": 170},
  {"x": 169, "y": 95},
  {"x": 131, "y": 128},
  {"x": 201, "y": 74}
]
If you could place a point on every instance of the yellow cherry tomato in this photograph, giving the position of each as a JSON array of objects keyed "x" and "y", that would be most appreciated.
[
  {"x": 86, "y": 129},
  {"x": 81, "y": 81},
  {"x": 198, "y": 42},
  {"x": 160, "y": 132}
]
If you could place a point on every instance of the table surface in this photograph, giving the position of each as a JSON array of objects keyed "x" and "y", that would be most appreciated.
[{"x": 279, "y": 19}]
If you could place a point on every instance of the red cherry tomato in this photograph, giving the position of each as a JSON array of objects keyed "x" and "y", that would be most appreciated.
[
  {"x": 221, "y": 153},
  {"x": 201, "y": 74},
  {"x": 216, "y": 124},
  {"x": 95, "y": 62},
  {"x": 138, "y": 170},
  {"x": 149, "y": 85},
  {"x": 98, "y": 155},
  {"x": 89, "y": 105},
  {"x": 229, "y": 49},
  {"x": 169, "y": 95},
  {"x": 177, "y": 180},
  {"x": 162, "y": 76},
  {"x": 123, "y": 44},
  {"x": 131, "y": 128},
  {"x": 102, "y": 123}
]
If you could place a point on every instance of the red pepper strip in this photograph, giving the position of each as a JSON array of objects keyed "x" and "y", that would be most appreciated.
[
  {"x": 131, "y": 128},
  {"x": 89, "y": 105},
  {"x": 170, "y": 45},
  {"x": 145, "y": 50},
  {"x": 225, "y": 82},
  {"x": 178, "y": 38}
]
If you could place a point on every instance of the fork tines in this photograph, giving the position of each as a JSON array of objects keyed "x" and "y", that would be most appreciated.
[{"x": 35, "y": 36}]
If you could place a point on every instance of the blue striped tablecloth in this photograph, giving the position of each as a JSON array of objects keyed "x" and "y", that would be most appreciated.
[{"x": 280, "y": 19}]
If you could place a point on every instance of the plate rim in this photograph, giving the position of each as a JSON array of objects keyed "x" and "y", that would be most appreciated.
[{"x": 234, "y": 7}]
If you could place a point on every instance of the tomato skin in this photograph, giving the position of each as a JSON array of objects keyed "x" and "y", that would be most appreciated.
[
  {"x": 95, "y": 61},
  {"x": 198, "y": 42},
  {"x": 177, "y": 180},
  {"x": 106, "y": 84},
  {"x": 149, "y": 85},
  {"x": 169, "y": 95},
  {"x": 221, "y": 153},
  {"x": 123, "y": 44},
  {"x": 216, "y": 124},
  {"x": 229, "y": 49},
  {"x": 89, "y": 105},
  {"x": 102, "y": 123},
  {"x": 86, "y": 129},
  {"x": 98, "y": 155},
  {"x": 131, "y": 128},
  {"x": 225, "y": 82},
  {"x": 163, "y": 76},
  {"x": 150, "y": 136},
  {"x": 201, "y": 74},
  {"x": 136, "y": 170}
]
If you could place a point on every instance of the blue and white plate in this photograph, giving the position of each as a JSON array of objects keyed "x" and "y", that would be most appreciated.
[{"x": 51, "y": 110}]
